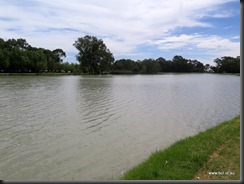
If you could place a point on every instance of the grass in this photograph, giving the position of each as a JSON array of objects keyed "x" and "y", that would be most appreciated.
[{"x": 215, "y": 150}]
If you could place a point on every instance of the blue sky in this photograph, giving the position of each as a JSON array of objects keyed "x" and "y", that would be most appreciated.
[{"x": 131, "y": 29}]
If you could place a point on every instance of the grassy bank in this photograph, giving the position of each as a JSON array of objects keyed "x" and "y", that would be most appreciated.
[{"x": 212, "y": 154}]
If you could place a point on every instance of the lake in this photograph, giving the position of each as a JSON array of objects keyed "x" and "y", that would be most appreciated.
[{"x": 95, "y": 127}]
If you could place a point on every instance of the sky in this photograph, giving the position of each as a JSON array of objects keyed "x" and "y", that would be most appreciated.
[{"x": 131, "y": 29}]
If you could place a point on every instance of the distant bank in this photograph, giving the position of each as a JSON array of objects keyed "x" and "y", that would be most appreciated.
[
  {"x": 33, "y": 74},
  {"x": 55, "y": 74}
]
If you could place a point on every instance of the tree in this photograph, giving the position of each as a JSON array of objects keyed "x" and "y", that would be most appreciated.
[
  {"x": 58, "y": 54},
  {"x": 207, "y": 68},
  {"x": 94, "y": 56},
  {"x": 15, "y": 60},
  {"x": 106, "y": 62},
  {"x": 165, "y": 66},
  {"x": 17, "y": 44},
  {"x": 4, "y": 60},
  {"x": 2, "y": 43},
  {"x": 54, "y": 59},
  {"x": 38, "y": 60},
  {"x": 228, "y": 64},
  {"x": 150, "y": 66},
  {"x": 125, "y": 66},
  {"x": 179, "y": 64},
  {"x": 50, "y": 60},
  {"x": 68, "y": 67},
  {"x": 16, "y": 55},
  {"x": 194, "y": 66}
]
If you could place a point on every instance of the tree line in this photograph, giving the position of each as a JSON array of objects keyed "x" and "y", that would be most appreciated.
[
  {"x": 178, "y": 64},
  {"x": 16, "y": 55},
  {"x": 152, "y": 66}
]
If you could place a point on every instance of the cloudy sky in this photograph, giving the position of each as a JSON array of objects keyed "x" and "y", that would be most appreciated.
[{"x": 131, "y": 29}]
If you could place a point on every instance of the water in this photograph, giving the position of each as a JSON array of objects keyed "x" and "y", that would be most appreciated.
[{"x": 95, "y": 127}]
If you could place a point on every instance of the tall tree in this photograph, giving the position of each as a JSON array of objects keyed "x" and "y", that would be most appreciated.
[
  {"x": 94, "y": 56},
  {"x": 228, "y": 64},
  {"x": 58, "y": 55},
  {"x": 179, "y": 64}
]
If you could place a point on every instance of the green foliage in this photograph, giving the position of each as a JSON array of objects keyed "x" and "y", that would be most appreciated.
[
  {"x": 165, "y": 66},
  {"x": 94, "y": 56},
  {"x": 4, "y": 59},
  {"x": 57, "y": 54},
  {"x": 125, "y": 66},
  {"x": 38, "y": 60},
  {"x": 16, "y": 55},
  {"x": 227, "y": 64},
  {"x": 72, "y": 68},
  {"x": 2, "y": 43},
  {"x": 150, "y": 66}
]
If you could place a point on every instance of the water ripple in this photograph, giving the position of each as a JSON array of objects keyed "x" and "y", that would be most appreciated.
[{"x": 80, "y": 126}]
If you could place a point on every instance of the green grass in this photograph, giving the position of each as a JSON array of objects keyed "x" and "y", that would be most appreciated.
[{"x": 190, "y": 157}]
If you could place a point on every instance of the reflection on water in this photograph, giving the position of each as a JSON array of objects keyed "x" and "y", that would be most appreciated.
[{"x": 94, "y": 127}]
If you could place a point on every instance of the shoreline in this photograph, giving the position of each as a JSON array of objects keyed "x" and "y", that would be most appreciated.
[
  {"x": 85, "y": 74},
  {"x": 213, "y": 154},
  {"x": 34, "y": 74}
]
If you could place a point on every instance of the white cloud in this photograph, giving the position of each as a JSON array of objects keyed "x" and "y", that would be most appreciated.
[
  {"x": 122, "y": 24},
  {"x": 235, "y": 37},
  {"x": 212, "y": 45},
  {"x": 228, "y": 27}
]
